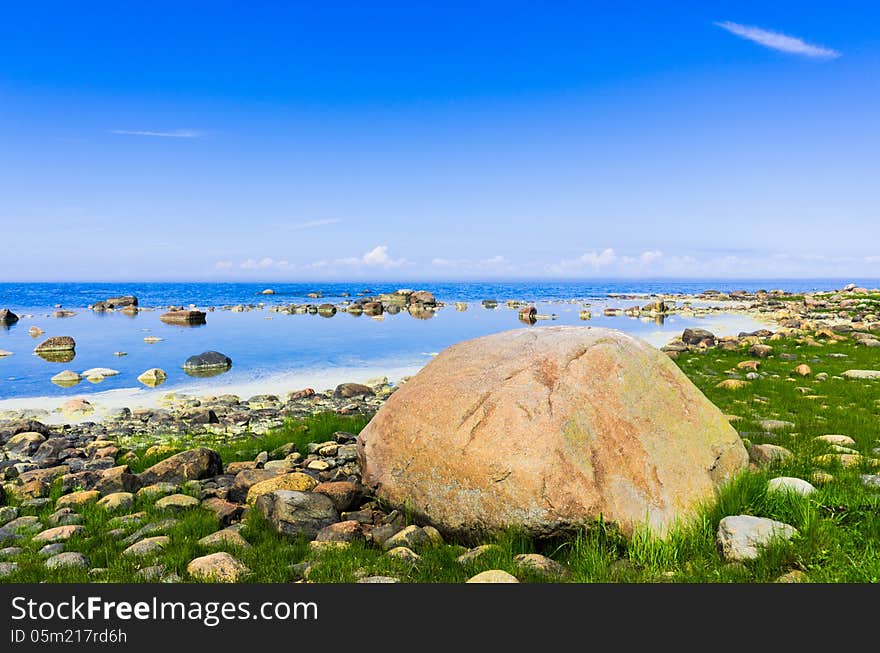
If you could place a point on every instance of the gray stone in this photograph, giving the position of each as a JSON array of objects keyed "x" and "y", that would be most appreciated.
[
  {"x": 7, "y": 568},
  {"x": 68, "y": 559},
  {"x": 742, "y": 537},
  {"x": 7, "y": 514},
  {"x": 51, "y": 549},
  {"x": 863, "y": 375},
  {"x": 195, "y": 464},
  {"x": 790, "y": 484},
  {"x": 148, "y": 546},
  {"x": 297, "y": 513},
  {"x": 478, "y": 552}
]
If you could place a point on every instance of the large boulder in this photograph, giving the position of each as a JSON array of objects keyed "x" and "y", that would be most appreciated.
[
  {"x": 546, "y": 429},
  {"x": 193, "y": 464}
]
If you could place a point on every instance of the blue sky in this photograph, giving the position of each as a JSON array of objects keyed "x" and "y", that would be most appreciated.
[{"x": 392, "y": 140}]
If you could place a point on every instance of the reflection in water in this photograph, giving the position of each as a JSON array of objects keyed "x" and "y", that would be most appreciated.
[
  {"x": 205, "y": 372},
  {"x": 421, "y": 312},
  {"x": 57, "y": 356}
]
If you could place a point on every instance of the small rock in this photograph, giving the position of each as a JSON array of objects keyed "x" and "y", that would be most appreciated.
[
  {"x": 405, "y": 554},
  {"x": 844, "y": 440},
  {"x": 493, "y": 576},
  {"x": 66, "y": 379},
  {"x": 343, "y": 494},
  {"x": 540, "y": 564},
  {"x": 193, "y": 464},
  {"x": 793, "y": 576},
  {"x": 226, "y": 537},
  {"x": 775, "y": 424},
  {"x": 7, "y": 568},
  {"x": 148, "y": 546},
  {"x": 72, "y": 559},
  {"x": 176, "y": 502},
  {"x": 58, "y": 534},
  {"x": 760, "y": 351},
  {"x": 117, "y": 501},
  {"x": 77, "y": 499},
  {"x": 863, "y": 375},
  {"x": 472, "y": 555},
  {"x": 293, "y": 513},
  {"x": 790, "y": 484},
  {"x": 295, "y": 481},
  {"x": 741, "y": 537},
  {"x": 219, "y": 567},
  {"x": 153, "y": 377},
  {"x": 766, "y": 454},
  {"x": 344, "y": 531}
]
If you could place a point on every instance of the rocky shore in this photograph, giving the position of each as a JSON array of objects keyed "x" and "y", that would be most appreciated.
[{"x": 316, "y": 491}]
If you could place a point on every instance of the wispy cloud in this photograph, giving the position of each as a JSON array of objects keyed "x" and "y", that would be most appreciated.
[
  {"x": 778, "y": 41},
  {"x": 177, "y": 133},
  {"x": 311, "y": 224}
]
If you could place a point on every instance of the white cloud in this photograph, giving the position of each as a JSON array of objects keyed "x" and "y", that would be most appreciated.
[
  {"x": 777, "y": 41},
  {"x": 591, "y": 259},
  {"x": 609, "y": 261},
  {"x": 265, "y": 263},
  {"x": 223, "y": 265},
  {"x": 378, "y": 256},
  {"x": 646, "y": 258},
  {"x": 177, "y": 133}
]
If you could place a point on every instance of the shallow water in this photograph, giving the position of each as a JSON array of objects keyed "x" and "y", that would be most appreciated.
[{"x": 274, "y": 352}]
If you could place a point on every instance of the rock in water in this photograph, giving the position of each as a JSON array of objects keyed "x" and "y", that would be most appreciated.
[
  {"x": 153, "y": 377},
  {"x": 207, "y": 363},
  {"x": 7, "y": 317},
  {"x": 184, "y": 317},
  {"x": 545, "y": 429},
  {"x": 66, "y": 379},
  {"x": 56, "y": 344}
]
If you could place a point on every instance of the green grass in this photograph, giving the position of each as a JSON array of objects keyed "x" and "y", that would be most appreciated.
[{"x": 839, "y": 525}]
